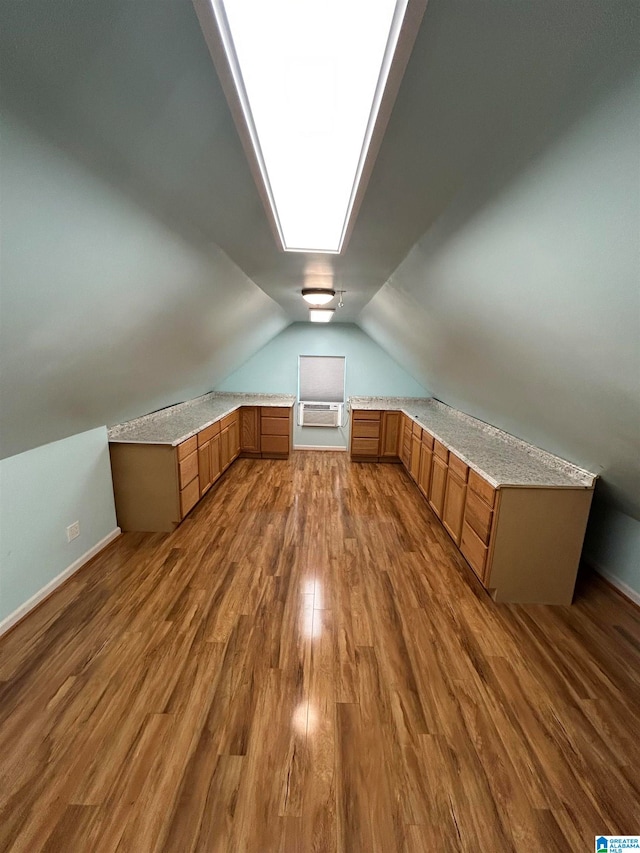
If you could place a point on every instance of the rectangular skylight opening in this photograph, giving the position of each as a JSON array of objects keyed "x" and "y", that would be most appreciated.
[{"x": 310, "y": 77}]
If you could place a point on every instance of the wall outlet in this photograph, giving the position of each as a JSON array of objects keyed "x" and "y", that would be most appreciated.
[{"x": 73, "y": 531}]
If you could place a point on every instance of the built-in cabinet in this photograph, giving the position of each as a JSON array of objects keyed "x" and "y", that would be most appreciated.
[
  {"x": 375, "y": 436},
  {"x": 157, "y": 485},
  {"x": 522, "y": 542}
]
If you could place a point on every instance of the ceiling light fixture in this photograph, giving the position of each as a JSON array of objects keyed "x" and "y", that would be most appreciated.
[
  {"x": 311, "y": 101},
  {"x": 321, "y": 315},
  {"x": 317, "y": 295}
]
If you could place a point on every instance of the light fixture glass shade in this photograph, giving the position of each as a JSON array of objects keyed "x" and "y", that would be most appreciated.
[
  {"x": 321, "y": 315},
  {"x": 317, "y": 295}
]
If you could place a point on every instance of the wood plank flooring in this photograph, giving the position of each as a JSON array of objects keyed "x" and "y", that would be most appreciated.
[{"x": 307, "y": 664}]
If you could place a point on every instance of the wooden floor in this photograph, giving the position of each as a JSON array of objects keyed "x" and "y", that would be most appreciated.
[{"x": 307, "y": 664}]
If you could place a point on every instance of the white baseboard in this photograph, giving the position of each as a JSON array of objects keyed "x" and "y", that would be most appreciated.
[
  {"x": 10, "y": 620},
  {"x": 621, "y": 586},
  {"x": 317, "y": 447}
]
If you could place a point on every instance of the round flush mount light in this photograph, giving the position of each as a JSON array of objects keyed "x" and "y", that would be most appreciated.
[{"x": 317, "y": 295}]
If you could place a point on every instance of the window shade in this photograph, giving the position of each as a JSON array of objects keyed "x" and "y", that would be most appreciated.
[{"x": 321, "y": 378}]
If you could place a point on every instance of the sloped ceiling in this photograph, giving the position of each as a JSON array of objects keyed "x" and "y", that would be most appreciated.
[{"x": 118, "y": 101}]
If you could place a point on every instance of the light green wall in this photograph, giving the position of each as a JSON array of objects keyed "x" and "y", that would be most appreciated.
[
  {"x": 108, "y": 312},
  {"x": 523, "y": 308},
  {"x": 42, "y": 491},
  {"x": 370, "y": 371}
]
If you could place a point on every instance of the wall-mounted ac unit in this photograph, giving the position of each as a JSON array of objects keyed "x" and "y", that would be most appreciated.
[{"x": 320, "y": 414}]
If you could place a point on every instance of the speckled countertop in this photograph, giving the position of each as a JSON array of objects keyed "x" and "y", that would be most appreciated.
[
  {"x": 500, "y": 458},
  {"x": 177, "y": 423}
]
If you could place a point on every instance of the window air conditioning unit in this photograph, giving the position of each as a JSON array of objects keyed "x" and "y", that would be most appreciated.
[{"x": 320, "y": 414}]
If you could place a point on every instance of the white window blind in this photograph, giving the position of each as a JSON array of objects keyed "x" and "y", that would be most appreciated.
[{"x": 321, "y": 378}]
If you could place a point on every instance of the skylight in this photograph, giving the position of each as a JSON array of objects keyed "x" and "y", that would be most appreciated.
[{"x": 310, "y": 78}]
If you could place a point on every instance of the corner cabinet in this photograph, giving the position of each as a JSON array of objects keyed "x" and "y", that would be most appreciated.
[
  {"x": 156, "y": 485},
  {"x": 522, "y": 542}
]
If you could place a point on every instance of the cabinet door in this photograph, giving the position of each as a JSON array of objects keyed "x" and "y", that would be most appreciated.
[
  {"x": 416, "y": 444},
  {"x": 250, "y": 429},
  {"x": 225, "y": 448},
  {"x": 454, "y": 505},
  {"x": 424, "y": 480},
  {"x": 214, "y": 459},
  {"x": 407, "y": 430},
  {"x": 204, "y": 467},
  {"x": 391, "y": 435},
  {"x": 234, "y": 438},
  {"x": 438, "y": 485}
]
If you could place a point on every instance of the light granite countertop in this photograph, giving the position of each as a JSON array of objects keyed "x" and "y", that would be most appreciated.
[
  {"x": 500, "y": 458},
  {"x": 175, "y": 424}
]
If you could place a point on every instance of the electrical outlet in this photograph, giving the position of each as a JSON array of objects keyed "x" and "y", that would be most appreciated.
[{"x": 73, "y": 531}]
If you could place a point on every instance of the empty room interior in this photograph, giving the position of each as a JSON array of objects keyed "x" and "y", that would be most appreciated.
[{"x": 319, "y": 426}]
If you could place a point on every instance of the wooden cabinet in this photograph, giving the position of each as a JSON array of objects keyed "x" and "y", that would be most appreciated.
[
  {"x": 438, "y": 485},
  {"x": 407, "y": 432},
  {"x": 455, "y": 496},
  {"x": 250, "y": 431},
  {"x": 365, "y": 435},
  {"x": 275, "y": 431},
  {"x": 414, "y": 464},
  {"x": 208, "y": 457},
  {"x": 390, "y": 435},
  {"x": 426, "y": 457},
  {"x": 229, "y": 439}
]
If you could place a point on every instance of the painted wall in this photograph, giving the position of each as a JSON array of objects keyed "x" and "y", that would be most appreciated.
[
  {"x": 370, "y": 371},
  {"x": 107, "y": 312},
  {"x": 43, "y": 491},
  {"x": 523, "y": 308}
]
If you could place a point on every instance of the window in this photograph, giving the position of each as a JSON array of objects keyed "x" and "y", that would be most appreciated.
[{"x": 321, "y": 378}]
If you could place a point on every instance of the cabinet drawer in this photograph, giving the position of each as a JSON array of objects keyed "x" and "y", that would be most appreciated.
[
  {"x": 187, "y": 447},
  {"x": 364, "y": 415},
  {"x": 474, "y": 551},
  {"x": 189, "y": 497},
  {"x": 207, "y": 433},
  {"x": 364, "y": 446},
  {"x": 278, "y": 444},
  {"x": 480, "y": 486},
  {"x": 427, "y": 439},
  {"x": 366, "y": 429},
  {"x": 440, "y": 450},
  {"x": 460, "y": 468},
  {"x": 227, "y": 420},
  {"x": 274, "y": 426},
  {"x": 416, "y": 429},
  {"x": 188, "y": 469},
  {"x": 275, "y": 411},
  {"x": 478, "y": 516}
]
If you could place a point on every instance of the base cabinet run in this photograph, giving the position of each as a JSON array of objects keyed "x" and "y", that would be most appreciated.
[
  {"x": 522, "y": 542},
  {"x": 157, "y": 485}
]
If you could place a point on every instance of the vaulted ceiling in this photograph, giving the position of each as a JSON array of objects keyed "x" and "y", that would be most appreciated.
[{"x": 139, "y": 266}]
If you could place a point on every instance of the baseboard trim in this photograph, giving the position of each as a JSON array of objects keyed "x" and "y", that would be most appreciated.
[
  {"x": 13, "y": 618},
  {"x": 620, "y": 586},
  {"x": 317, "y": 447}
]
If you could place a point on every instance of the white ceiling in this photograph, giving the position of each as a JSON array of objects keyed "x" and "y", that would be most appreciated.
[{"x": 130, "y": 90}]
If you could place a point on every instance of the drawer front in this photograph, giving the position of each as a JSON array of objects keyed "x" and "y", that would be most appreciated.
[
  {"x": 474, "y": 551},
  {"x": 274, "y": 426},
  {"x": 478, "y": 516},
  {"x": 440, "y": 450},
  {"x": 207, "y": 434},
  {"x": 480, "y": 486},
  {"x": 364, "y": 415},
  {"x": 427, "y": 439},
  {"x": 187, "y": 447},
  {"x": 275, "y": 411},
  {"x": 460, "y": 468},
  {"x": 366, "y": 429},
  {"x": 228, "y": 420},
  {"x": 417, "y": 430},
  {"x": 189, "y": 497},
  {"x": 278, "y": 444},
  {"x": 364, "y": 446},
  {"x": 188, "y": 469}
]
